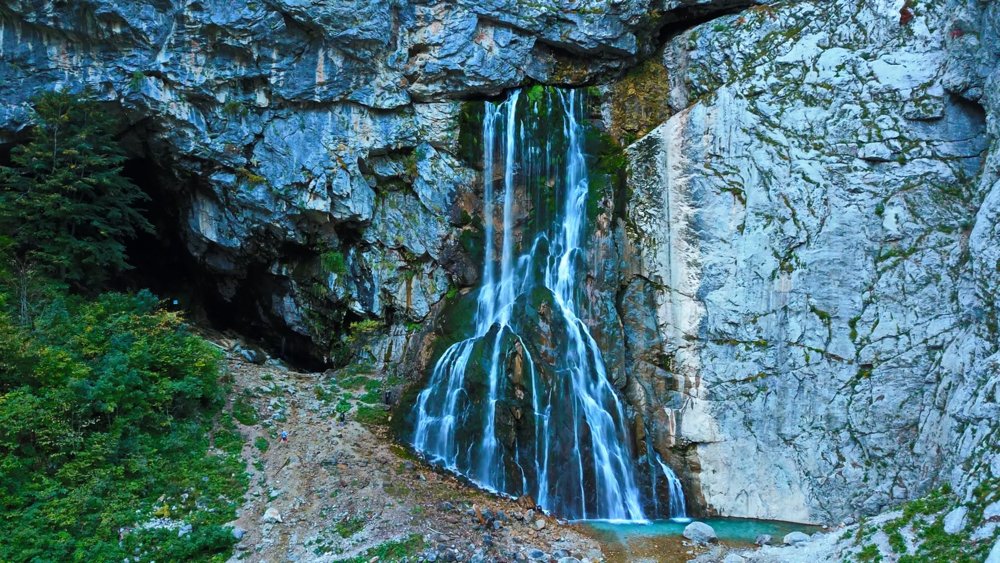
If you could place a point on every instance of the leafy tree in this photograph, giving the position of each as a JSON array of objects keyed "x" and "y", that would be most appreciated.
[{"x": 65, "y": 208}]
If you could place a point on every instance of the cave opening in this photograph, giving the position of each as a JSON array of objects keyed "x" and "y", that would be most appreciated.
[{"x": 162, "y": 263}]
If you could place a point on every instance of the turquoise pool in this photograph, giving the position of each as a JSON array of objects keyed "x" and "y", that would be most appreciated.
[{"x": 735, "y": 530}]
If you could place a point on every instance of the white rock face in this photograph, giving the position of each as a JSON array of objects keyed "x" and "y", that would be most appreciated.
[
  {"x": 817, "y": 226},
  {"x": 955, "y": 520},
  {"x": 994, "y": 556}
]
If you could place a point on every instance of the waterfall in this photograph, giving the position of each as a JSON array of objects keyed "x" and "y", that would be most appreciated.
[
  {"x": 678, "y": 510},
  {"x": 524, "y": 405}
]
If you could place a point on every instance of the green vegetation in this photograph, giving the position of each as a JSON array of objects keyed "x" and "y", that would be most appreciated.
[
  {"x": 362, "y": 329},
  {"x": 349, "y": 526},
  {"x": 65, "y": 208},
  {"x": 333, "y": 262},
  {"x": 391, "y": 551},
  {"x": 244, "y": 411},
  {"x": 261, "y": 444},
  {"x": 373, "y": 392},
  {"x": 639, "y": 102},
  {"x": 135, "y": 81},
  {"x": 343, "y": 405},
  {"x": 869, "y": 553},
  {"x": 924, "y": 519},
  {"x": 470, "y": 132},
  {"x": 106, "y": 407},
  {"x": 114, "y": 443},
  {"x": 234, "y": 108},
  {"x": 373, "y": 416}
]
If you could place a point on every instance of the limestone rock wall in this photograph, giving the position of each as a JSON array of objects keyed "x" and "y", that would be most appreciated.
[{"x": 816, "y": 225}]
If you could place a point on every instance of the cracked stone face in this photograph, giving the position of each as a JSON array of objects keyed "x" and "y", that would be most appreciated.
[{"x": 810, "y": 224}]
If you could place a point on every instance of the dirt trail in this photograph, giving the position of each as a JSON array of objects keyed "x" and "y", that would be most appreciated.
[{"x": 337, "y": 490}]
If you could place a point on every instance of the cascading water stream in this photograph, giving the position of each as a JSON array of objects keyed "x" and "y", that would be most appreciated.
[
  {"x": 677, "y": 508},
  {"x": 524, "y": 405}
]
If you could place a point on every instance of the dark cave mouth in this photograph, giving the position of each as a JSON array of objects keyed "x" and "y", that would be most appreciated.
[{"x": 163, "y": 263}]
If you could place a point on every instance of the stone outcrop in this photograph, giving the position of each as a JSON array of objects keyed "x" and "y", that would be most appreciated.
[{"x": 816, "y": 225}]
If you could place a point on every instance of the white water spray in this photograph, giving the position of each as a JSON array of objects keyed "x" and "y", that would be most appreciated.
[{"x": 577, "y": 460}]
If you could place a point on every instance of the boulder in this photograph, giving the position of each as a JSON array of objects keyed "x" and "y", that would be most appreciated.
[
  {"x": 796, "y": 539},
  {"x": 700, "y": 533},
  {"x": 539, "y": 524},
  {"x": 763, "y": 539},
  {"x": 251, "y": 354},
  {"x": 537, "y": 555},
  {"x": 238, "y": 533}
]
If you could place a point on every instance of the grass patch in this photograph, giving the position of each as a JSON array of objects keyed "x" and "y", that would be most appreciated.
[
  {"x": 392, "y": 550},
  {"x": 373, "y": 392},
  {"x": 244, "y": 411},
  {"x": 349, "y": 526},
  {"x": 374, "y": 416},
  {"x": 261, "y": 444},
  {"x": 344, "y": 405}
]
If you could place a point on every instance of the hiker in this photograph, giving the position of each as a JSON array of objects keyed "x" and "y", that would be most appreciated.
[{"x": 284, "y": 436}]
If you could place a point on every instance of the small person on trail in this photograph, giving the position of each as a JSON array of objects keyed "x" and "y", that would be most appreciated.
[{"x": 284, "y": 436}]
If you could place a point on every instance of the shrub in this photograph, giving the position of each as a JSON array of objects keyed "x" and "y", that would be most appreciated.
[{"x": 105, "y": 406}]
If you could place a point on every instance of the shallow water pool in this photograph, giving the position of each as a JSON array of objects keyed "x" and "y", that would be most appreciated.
[
  {"x": 660, "y": 541},
  {"x": 734, "y": 530}
]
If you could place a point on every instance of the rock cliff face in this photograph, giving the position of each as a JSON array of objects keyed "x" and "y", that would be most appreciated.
[
  {"x": 816, "y": 225},
  {"x": 312, "y": 144},
  {"x": 806, "y": 264}
]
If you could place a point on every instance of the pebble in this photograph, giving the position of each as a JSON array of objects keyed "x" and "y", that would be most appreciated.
[
  {"x": 537, "y": 554},
  {"x": 271, "y": 515}
]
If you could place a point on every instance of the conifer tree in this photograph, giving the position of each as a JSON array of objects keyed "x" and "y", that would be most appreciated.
[{"x": 66, "y": 210}]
